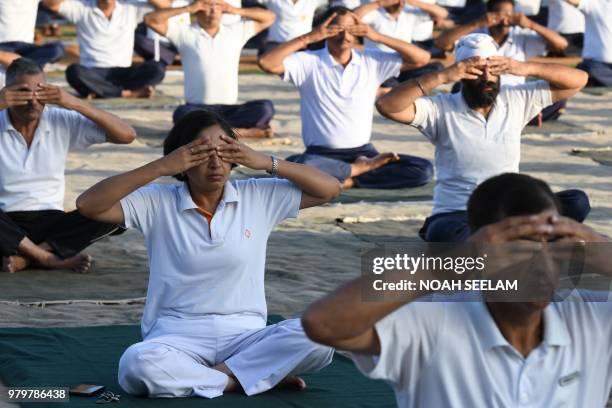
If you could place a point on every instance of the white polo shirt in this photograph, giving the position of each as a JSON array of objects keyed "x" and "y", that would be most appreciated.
[
  {"x": 337, "y": 103},
  {"x": 598, "y": 30},
  {"x": 104, "y": 43},
  {"x": 292, "y": 19},
  {"x": 452, "y": 354},
  {"x": 383, "y": 22},
  {"x": 33, "y": 178},
  {"x": 18, "y": 20},
  {"x": 564, "y": 18},
  {"x": 521, "y": 45},
  {"x": 470, "y": 148},
  {"x": 423, "y": 24},
  {"x": 211, "y": 63},
  {"x": 192, "y": 274}
]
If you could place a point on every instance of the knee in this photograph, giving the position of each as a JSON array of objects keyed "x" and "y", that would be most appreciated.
[
  {"x": 425, "y": 170},
  {"x": 181, "y": 111},
  {"x": 57, "y": 49},
  {"x": 139, "y": 369},
  {"x": 266, "y": 110},
  {"x": 575, "y": 204},
  {"x": 445, "y": 230},
  {"x": 158, "y": 71},
  {"x": 74, "y": 73}
]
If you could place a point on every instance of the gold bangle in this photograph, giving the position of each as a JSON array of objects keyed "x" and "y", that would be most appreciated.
[{"x": 420, "y": 87}]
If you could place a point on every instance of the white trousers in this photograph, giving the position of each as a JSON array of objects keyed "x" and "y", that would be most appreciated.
[{"x": 178, "y": 365}]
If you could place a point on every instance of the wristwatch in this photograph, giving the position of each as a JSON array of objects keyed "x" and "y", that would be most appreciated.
[{"x": 274, "y": 171}]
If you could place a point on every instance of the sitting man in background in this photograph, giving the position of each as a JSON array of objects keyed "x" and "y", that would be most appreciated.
[
  {"x": 597, "y": 51},
  {"x": 395, "y": 19},
  {"x": 210, "y": 53},
  {"x": 34, "y": 142},
  {"x": 338, "y": 86},
  {"x": 477, "y": 132},
  {"x": 105, "y": 32},
  {"x": 18, "y": 25},
  {"x": 457, "y": 350}
]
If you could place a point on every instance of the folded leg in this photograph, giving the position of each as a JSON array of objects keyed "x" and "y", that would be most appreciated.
[
  {"x": 334, "y": 167},
  {"x": 600, "y": 73},
  {"x": 260, "y": 359},
  {"x": 10, "y": 235},
  {"x": 408, "y": 171},
  {"x": 149, "y": 73},
  {"x": 41, "y": 54},
  {"x": 160, "y": 371},
  {"x": 91, "y": 81}
]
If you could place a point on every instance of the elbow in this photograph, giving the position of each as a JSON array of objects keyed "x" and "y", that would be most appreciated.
[
  {"x": 266, "y": 65},
  {"x": 315, "y": 328},
  {"x": 270, "y": 18},
  {"x": 424, "y": 58},
  {"x": 380, "y": 106},
  {"x": 83, "y": 207},
  {"x": 126, "y": 137},
  {"x": 583, "y": 78},
  {"x": 442, "y": 44}
]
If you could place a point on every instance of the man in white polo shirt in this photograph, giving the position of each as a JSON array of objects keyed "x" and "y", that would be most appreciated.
[
  {"x": 338, "y": 86},
  {"x": 469, "y": 350},
  {"x": 597, "y": 51},
  {"x": 293, "y": 18},
  {"x": 210, "y": 53},
  {"x": 17, "y": 22},
  {"x": 569, "y": 22},
  {"x": 398, "y": 20},
  {"x": 477, "y": 132},
  {"x": 34, "y": 142},
  {"x": 105, "y": 32}
]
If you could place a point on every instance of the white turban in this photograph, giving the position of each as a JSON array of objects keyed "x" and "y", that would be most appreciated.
[{"x": 476, "y": 45}]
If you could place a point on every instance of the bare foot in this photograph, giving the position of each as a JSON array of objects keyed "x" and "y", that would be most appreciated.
[
  {"x": 15, "y": 263},
  {"x": 292, "y": 382},
  {"x": 80, "y": 263},
  {"x": 256, "y": 133},
  {"x": 364, "y": 164},
  {"x": 348, "y": 183},
  {"x": 146, "y": 92}
]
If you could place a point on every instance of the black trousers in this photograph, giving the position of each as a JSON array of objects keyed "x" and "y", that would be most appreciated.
[
  {"x": 145, "y": 47},
  {"x": 109, "y": 82},
  {"x": 66, "y": 233}
]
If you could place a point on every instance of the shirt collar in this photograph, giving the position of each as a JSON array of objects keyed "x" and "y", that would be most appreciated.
[
  {"x": 331, "y": 62},
  {"x": 43, "y": 123},
  {"x": 204, "y": 33},
  {"x": 118, "y": 9},
  {"x": 509, "y": 39},
  {"x": 230, "y": 195},
  {"x": 555, "y": 329}
]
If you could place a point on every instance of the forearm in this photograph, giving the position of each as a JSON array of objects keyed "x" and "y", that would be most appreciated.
[
  {"x": 412, "y": 55},
  {"x": 403, "y": 96},
  {"x": 158, "y": 20},
  {"x": 53, "y": 5},
  {"x": 557, "y": 75},
  {"x": 259, "y": 15},
  {"x": 6, "y": 58},
  {"x": 117, "y": 131},
  {"x": 366, "y": 9},
  {"x": 435, "y": 12},
  {"x": 310, "y": 180},
  {"x": 554, "y": 40},
  {"x": 104, "y": 195},
  {"x": 161, "y": 4},
  {"x": 447, "y": 39},
  {"x": 272, "y": 61}
]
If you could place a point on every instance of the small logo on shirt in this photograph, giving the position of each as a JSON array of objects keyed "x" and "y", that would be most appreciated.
[
  {"x": 569, "y": 379},
  {"x": 247, "y": 233}
]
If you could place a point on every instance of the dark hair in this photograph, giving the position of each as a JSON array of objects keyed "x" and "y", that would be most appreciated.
[
  {"x": 339, "y": 10},
  {"x": 491, "y": 4},
  {"x": 19, "y": 67},
  {"x": 507, "y": 195},
  {"x": 188, "y": 127}
]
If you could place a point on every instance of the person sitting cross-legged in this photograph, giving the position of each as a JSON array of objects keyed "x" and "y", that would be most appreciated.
[
  {"x": 210, "y": 53},
  {"x": 105, "y": 32},
  {"x": 35, "y": 139},
  {"x": 338, "y": 85}
]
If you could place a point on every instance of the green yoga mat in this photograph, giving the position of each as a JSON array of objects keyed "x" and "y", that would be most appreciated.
[
  {"x": 601, "y": 156},
  {"x": 62, "y": 357}
]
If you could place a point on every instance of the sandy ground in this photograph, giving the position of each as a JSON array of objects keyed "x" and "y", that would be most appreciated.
[{"x": 310, "y": 256}]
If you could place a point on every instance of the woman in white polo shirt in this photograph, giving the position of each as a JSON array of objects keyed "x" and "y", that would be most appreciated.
[{"x": 204, "y": 325}]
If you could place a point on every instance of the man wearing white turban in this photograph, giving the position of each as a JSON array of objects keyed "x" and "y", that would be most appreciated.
[{"x": 477, "y": 131}]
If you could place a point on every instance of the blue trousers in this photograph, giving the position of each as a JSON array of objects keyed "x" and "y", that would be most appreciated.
[
  {"x": 252, "y": 114},
  {"x": 109, "y": 82},
  {"x": 600, "y": 73},
  {"x": 41, "y": 54},
  {"x": 145, "y": 47},
  {"x": 453, "y": 226},
  {"x": 409, "y": 171}
]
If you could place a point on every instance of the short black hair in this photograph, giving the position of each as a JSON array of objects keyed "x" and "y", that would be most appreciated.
[
  {"x": 491, "y": 4},
  {"x": 19, "y": 67},
  {"x": 507, "y": 195},
  {"x": 339, "y": 10},
  {"x": 188, "y": 127}
]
